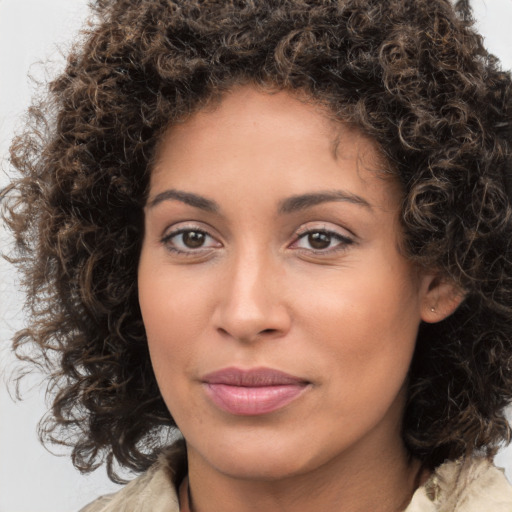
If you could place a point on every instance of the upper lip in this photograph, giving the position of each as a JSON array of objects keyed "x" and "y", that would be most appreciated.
[{"x": 253, "y": 377}]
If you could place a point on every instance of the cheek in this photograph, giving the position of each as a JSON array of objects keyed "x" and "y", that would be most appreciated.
[
  {"x": 366, "y": 329},
  {"x": 173, "y": 319},
  {"x": 173, "y": 304}
]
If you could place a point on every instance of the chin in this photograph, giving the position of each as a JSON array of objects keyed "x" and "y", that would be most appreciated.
[
  {"x": 262, "y": 468},
  {"x": 262, "y": 460}
]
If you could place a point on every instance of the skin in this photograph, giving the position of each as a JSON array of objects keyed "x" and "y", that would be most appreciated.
[{"x": 254, "y": 292}]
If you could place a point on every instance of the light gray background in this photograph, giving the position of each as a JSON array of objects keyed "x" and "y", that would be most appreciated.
[{"x": 31, "y": 479}]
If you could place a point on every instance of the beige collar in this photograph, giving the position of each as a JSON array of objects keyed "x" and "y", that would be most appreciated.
[{"x": 474, "y": 485}]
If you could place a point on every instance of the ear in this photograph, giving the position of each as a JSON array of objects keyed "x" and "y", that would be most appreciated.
[{"x": 440, "y": 298}]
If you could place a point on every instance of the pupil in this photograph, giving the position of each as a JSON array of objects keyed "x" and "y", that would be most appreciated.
[
  {"x": 193, "y": 239},
  {"x": 319, "y": 240}
]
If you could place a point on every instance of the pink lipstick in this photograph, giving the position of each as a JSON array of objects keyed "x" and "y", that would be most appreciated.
[{"x": 252, "y": 392}]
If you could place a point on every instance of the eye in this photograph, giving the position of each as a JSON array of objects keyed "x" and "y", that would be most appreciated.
[
  {"x": 189, "y": 240},
  {"x": 322, "y": 240}
]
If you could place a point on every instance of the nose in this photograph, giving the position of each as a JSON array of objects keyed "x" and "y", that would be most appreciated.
[{"x": 252, "y": 303}]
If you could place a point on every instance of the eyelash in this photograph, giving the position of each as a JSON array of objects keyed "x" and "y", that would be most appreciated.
[{"x": 343, "y": 241}]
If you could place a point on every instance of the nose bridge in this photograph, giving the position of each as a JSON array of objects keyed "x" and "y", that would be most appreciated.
[
  {"x": 251, "y": 304},
  {"x": 249, "y": 286}
]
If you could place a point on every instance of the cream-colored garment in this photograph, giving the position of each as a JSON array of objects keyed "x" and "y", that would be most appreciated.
[{"x": 473, "y": 486}]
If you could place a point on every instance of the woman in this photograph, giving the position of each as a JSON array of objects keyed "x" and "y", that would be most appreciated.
[{"x": 283, "y": 229}]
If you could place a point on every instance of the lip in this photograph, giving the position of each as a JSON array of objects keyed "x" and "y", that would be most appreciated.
[{"x": 252, "y": 392}]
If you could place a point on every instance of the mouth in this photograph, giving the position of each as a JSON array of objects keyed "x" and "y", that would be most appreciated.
[{"x": 252, "y": 392}]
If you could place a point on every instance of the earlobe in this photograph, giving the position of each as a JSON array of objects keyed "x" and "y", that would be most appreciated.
[{"x": 441, "y": 297}]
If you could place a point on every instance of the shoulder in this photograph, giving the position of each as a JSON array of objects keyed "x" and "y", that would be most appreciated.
[
  {"x": 470, "y": 485},
  {"x": 153, "y": 491}
]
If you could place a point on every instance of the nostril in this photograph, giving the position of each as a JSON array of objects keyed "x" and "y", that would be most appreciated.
[{"x": 264, "y": 332}]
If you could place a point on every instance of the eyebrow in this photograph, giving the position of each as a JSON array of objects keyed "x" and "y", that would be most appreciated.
[
  {"x": 286, "y": 206},
  {"x": 185, "y": 197},
  {"x": 304, "y": 201}
]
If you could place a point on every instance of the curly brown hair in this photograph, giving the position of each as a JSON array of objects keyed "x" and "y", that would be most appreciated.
[{"x": 411, "y": 74}]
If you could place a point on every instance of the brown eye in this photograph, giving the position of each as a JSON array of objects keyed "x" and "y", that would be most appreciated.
[
  {"x": 189, "y": 241},
  {"x": 193, "y": 239},
  {"x": 319, "y": 240},
  {"x": 322, "y": 241}
]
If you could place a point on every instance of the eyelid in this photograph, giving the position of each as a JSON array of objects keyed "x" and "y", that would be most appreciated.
[{"x": 327, "y": 227}]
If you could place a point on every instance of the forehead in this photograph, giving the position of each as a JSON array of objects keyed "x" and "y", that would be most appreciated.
[
  {"x": 267, "y": 129},
  {"x": 247, "y": 107}
]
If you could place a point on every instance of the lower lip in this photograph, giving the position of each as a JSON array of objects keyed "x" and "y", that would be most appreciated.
[{"x": 253, "y": 401}]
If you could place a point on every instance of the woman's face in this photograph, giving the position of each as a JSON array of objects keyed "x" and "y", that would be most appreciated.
[{"x": 280, "y": 314}]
